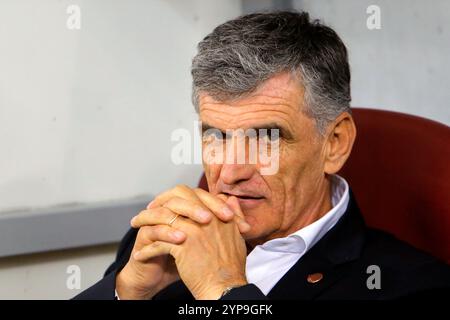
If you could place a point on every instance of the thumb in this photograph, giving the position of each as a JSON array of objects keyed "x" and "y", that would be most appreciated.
[{"x": 233, "y": 203}]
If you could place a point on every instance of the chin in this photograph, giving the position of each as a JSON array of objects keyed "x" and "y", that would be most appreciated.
[
  {"x": 254, "y": 238},
  {"x": 260, "y": 221},
  {"x": 256, "y": 232},
  {"x": 253, "y": 232}
]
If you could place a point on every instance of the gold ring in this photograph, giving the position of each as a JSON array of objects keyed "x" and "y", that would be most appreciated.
[{"x": 173, "y": 220}]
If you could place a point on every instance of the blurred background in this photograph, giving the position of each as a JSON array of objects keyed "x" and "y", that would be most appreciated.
[{"x": 87, "y": 112}]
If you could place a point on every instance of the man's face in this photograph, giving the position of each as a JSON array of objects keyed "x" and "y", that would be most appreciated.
[{"x": 278, "y": 204}]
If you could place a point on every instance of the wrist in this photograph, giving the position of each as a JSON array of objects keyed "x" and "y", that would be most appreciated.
[{"x": 217, "y": 292}]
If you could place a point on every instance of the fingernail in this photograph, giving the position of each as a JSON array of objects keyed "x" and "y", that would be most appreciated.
[
  {"x": 148, "y": 206},
  {"x": 133, "y": 220},
  {"x": 227, "y": 212},
  {"x": 246, "y": 226},
  {"x": 202, "y": 215},
  {"x": 136, "y": 254},
  {"x": 178, "y": 235}
]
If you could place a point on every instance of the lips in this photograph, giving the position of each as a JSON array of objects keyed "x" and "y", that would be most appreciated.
[
  {"x": 244, "y": 196},
  {"x": 247, "y": 200}
]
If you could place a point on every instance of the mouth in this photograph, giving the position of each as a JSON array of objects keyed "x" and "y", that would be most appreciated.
[{"x": 247, "y": 201}]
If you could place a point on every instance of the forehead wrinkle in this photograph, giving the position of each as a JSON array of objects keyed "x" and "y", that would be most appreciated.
[
  {"x": 242, "y": 103},
  {"x": 259, "y": 117},
  {"x": 272, "y": 100},
  {"x": 234, "y": 109},
  {"x": 282, "y": 89},
  {"x": 252, "y": 117},
  {"x": 261, "y": 98},
  {"x": 250, "y": 108}
]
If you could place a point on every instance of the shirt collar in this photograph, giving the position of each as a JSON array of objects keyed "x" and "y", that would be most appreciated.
[{"x": 305, "y": 238}]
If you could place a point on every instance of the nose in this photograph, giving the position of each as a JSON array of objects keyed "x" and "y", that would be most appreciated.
[
  {"x": 235, "y": 173},
  {"x": 237, "y": 166}
]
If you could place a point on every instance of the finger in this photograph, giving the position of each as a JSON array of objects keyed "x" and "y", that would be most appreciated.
[
  {"x": 153, "y": 250},
  {"x": 222, "y": 197},
  {"x": 221, "y": 201},
  {"x": 215, "y": 204},
  {"x": 153, "y": 217},
  {"x": 229, "y": 202},
  {"x": 149, "y": 234},
  {"x": 233, "y": 203},
  {"x": 196, "y": 212},
  {"x": 243, "y": 225},
  {"x": 181, "y": 191}
]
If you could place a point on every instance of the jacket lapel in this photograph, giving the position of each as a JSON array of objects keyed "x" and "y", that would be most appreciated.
[{"x": 326, "y": 261}]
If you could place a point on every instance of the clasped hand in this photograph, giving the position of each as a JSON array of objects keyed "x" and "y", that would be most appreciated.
[{"x": 202, "y": 246}]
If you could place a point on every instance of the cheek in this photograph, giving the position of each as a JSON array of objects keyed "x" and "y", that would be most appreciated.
[
  {"x": 270, "y": 215},
  {"x": 298, "y": 160},
  {"x": 277, "y": 185},
  {"x": 292, "y": 166},
  {"x": 263, "y": 221},
  {"x": 286, "y": 186}
]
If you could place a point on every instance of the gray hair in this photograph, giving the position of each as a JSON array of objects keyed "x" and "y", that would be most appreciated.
[{"x": 241, "y": 54}]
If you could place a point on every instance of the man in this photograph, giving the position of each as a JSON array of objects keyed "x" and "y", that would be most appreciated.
[{"x": 291, "y": 234}]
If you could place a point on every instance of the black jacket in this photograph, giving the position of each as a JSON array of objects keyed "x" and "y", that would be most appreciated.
[{"x": 342, "y": 256}]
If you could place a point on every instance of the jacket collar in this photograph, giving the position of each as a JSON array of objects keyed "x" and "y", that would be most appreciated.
[{"x": 341, "y": 245}]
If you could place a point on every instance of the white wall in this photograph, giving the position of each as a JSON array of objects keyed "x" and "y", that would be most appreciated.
[
  {"x": 86, "y": 115},
  {"x": 45, "y": 275},
  {"x": 404, "y": 66}
]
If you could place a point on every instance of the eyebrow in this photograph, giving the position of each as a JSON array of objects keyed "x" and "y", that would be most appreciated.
[{"x": 284, "y": 132}]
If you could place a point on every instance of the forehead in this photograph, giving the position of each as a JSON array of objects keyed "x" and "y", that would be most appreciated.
[{"x": 278, "y": 99}]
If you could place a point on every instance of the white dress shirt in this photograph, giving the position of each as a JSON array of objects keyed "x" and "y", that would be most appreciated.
[{"x": 269, "y": 262}]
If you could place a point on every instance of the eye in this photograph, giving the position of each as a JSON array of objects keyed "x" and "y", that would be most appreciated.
[{"x": 271, "y": 135}]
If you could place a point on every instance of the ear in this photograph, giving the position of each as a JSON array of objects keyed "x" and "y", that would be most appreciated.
[{"x": 339, "y": 142}]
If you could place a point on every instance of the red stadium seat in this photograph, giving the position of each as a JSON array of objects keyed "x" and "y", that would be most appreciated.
[{"x": 399, "y": 171}]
